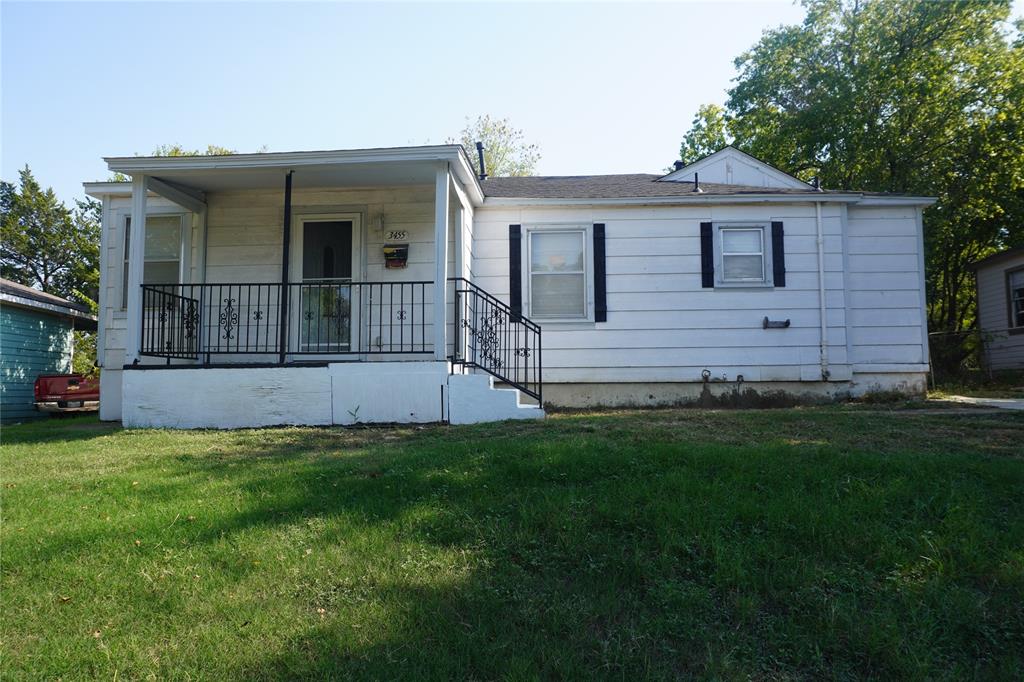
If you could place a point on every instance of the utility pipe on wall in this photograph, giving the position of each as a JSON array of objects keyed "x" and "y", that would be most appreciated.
[{"x": 823, "y": 312}]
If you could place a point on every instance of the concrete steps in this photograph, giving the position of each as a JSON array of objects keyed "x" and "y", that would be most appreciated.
[{"x": 472, "y": 398}]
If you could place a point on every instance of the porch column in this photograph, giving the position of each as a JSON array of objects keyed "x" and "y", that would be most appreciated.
[
  {"x": 136, "y": 261},
  {"x": 441, "y": 262},
  {"x": 284, "y": 295}
]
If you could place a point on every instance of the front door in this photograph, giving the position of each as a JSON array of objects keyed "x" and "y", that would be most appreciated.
[{"x": 328, "y": 263}]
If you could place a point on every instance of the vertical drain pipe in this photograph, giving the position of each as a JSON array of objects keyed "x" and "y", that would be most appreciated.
[{"x": 821, "y": 292}]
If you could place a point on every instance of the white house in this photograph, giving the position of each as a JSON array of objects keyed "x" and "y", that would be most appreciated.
[
  {"x": 303, "y": 288},
  {"x": 1000, "y": 285}
]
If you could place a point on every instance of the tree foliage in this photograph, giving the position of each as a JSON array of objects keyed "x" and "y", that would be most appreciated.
[
  {"x": 46, "y": 245},
  {"x": 907, "y": 96},
  {"x": 708, "y": 133},
  {"x": 506, "y": 151},
  {"x": 178, "y": 150}
]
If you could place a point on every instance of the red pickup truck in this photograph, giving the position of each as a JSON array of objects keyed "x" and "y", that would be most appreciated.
[{"x": 67, "y": 393}]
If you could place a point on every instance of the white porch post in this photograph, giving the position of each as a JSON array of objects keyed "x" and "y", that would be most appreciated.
[
  {"x": 136, "y": 258},
  {"x": 441, "y": 262}
]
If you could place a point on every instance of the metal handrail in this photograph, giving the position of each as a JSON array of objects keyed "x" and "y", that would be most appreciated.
[
  {"x": 212, "y": 319},
  {"x": 491, "y": 337}
]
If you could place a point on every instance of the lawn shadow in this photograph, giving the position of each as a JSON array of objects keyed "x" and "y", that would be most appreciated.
[
  {"x": 57, "y": 429},
  {"x": 598, "y": 547}
]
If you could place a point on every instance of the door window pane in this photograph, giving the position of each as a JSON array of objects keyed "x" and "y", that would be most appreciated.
[{"x": 327, "y": 250}]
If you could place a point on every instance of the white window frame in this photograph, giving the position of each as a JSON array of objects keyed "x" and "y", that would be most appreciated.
[
  {"x": 185, "y": 248},
  {"x": 767, "y": 261},
  {"x": 588, "y": 269}
]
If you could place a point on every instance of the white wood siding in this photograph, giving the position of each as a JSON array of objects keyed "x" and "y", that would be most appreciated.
[
  {"x": 112, "y": 318},
  {"x": 1004, "y": 351},
  {"x": 662, "y": 326},
  {"x": 885, "y": 288}
]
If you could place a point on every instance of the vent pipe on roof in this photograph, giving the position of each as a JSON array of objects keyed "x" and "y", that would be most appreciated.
[
  {"x": 696, "y": 183},
  {"x": 678, "y": 165},
  {"x": 480, "y": 155},
  {"x": 816, "y": 183}
]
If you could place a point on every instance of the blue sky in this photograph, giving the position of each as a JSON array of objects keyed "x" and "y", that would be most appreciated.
[{"x": 602, "y": 88}]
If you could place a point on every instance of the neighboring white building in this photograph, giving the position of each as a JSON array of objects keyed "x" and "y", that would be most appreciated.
[
  {"x": 299, "y": 288},
  {"x": 1000, "y": 286}
]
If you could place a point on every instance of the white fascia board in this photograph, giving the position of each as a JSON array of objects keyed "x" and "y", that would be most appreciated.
[
  {"x": 153, "y": 165},
  {"x": 702, "y": 199},
  {"x": 897, "y": 201},
  {"x": 32, "y": 304},
  {"x": 463, "y": 169},
  {"x": 98, "y": 190},
  {"x": 452, "y": 153}
]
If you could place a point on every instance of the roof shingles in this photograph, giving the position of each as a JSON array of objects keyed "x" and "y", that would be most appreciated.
[{"x": 634, "y": 185}]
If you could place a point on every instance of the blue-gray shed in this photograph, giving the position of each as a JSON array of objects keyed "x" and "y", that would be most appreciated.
[{"x": 35, "y": 338}]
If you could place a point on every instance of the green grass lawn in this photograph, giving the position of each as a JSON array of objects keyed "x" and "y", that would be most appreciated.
[{"x": 799, "y": 543}]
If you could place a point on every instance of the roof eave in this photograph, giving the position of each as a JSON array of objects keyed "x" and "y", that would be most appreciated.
[
  {"x": 454, "y": 154},
  {"x": 670, "y": 200}
]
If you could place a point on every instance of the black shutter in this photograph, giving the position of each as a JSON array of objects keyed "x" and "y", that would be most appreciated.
[
  {"x": 600, "y": 291},
  {"x": 707, "y": 256},
  {"x": 778, "y": 255},
  {"x": 515, "y": 268}
]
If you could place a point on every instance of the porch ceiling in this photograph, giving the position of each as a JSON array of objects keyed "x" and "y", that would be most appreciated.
[{"x": 363, "y": 175}]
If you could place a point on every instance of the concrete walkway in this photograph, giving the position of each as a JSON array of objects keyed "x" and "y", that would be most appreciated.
[{"x": 1001, "y": 403}]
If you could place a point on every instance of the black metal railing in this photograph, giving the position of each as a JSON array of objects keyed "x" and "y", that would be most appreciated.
[
  {"x": 325, "y": 317},
  {"x": 490, "y": 336},
  {"x": 169, "y": 324}
]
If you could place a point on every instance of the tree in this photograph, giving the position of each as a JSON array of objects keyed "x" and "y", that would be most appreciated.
[
  {"x": 904, "y": 96},
  {"x": 708, "y": 133},
  {"x": 178, "y": 150},
  {"x": 506, "y": 151},
  {"x": 44, "y": 245}
]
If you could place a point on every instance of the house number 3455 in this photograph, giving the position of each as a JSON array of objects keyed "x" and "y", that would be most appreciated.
[{"x": 397, "y": 234}]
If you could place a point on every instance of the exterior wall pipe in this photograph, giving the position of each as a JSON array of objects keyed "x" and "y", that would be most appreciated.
[{"x": 823, "y": 313}]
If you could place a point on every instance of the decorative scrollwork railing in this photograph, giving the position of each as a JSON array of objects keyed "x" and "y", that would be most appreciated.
[
  {"x": 322, "y": 317},
  {"x": 491, "y": 337}
]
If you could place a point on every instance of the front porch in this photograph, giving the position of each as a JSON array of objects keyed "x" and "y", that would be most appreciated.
[{"x": 267, "y": 276}]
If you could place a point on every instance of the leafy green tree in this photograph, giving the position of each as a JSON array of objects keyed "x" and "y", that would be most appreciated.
[
  {"x": 906, "y": 96},
  {"x": 506, "y": 151},
  {"x": 178, "y": 150},
  {"x": 45, "y": 245},
  {"x": 708, "y": 133}
]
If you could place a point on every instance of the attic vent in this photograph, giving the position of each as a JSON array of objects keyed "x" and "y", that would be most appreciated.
[{"x": 678, "y": 165}]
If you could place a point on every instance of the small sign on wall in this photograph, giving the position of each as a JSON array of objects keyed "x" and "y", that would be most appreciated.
[{"x": 396, "y": 235}]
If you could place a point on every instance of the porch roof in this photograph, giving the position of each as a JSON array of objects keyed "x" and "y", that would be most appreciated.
[{"x": 344, "y": 167}]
